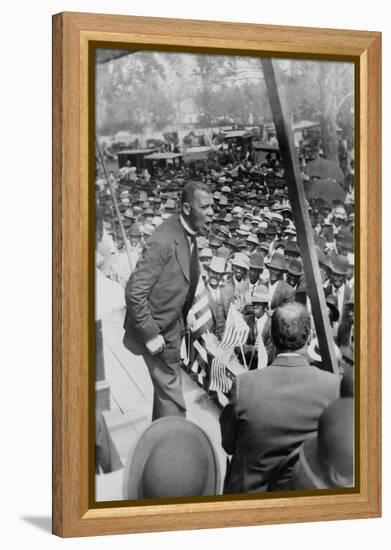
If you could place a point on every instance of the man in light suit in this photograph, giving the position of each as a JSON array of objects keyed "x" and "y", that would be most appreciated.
[
  {"x": 160, "y": 293},
  {"x": 273, "y": 410}
]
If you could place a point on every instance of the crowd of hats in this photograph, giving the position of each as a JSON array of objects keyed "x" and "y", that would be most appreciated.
[{"x": 253, "y": 223}]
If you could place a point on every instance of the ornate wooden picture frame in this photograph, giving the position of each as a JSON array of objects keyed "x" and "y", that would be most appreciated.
[{"x": 74, "y": 36}]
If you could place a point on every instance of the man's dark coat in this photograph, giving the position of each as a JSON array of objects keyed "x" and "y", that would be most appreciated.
[{"x": 271, "y": 412}]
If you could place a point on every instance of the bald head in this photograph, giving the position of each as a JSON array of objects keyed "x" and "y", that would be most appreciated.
[{"x": 291, "y": 327}]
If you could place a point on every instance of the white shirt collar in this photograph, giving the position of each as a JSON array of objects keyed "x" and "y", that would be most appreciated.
[{"x": 186, "y": 226}]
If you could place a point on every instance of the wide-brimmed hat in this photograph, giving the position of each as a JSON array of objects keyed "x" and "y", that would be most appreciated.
[
  {"x": 277, "y": 261},
  {"x": 277, "y": 217},
  {"x": 148, "y": 229},
  {"x": 261, "y": 295},
  {"x": 157, "y": 220},
  {"x": 223, "y": 252},
  {"x": 234, "y": 243},
  {"x": 129, "y": 214},
  {"x": 326, "y": 460},
  {"x": 202, "y": 242},
  {"x": 295, "y": 267},
  {"x": 170, "y": 205},
  {"x": 205, "y": 253},
  {"x": 340, "y": 265},
  {"x": 339, "y": 212},
  {"x": 217, "y": 264},
  {"x": 241, "y": 260},
  {"x": 172, "y": 458},
  {"x": 215, "y": 241},
  {"x": 135, "y": 230},
  {"x": 265, "y": 246},
  {"x": 292, "y": 248},
  {"x": 271, "y": 229},
  {"x": 252, "y": 239},
  {"x": 346, "y": 242},
  {"x": 243, "y": 230},
  {"x": 261, "y": 229},
  {"x": 224, "y": 230},
  {"x": 257, "y": 260}
]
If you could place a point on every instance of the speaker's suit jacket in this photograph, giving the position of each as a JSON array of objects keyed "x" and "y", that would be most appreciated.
[{"x": 155, "y": 295}]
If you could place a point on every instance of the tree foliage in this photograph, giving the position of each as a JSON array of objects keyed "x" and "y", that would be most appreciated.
[{"x": 147, "y": 91}]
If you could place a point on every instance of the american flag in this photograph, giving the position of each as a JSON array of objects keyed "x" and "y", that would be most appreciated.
[
  {"x": 201, "y": 317},
  {"x": 236, "y": 329},
  {"x": 235, "y": 334},
  {"x": 219, "y": 381}
]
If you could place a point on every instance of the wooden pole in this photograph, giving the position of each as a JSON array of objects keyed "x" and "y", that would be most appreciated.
[
  {"x": 116, "y": 208},
  {"x": 300, "y": 214}
]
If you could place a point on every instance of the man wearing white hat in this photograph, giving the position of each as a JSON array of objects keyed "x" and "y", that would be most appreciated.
[
  {"x": 259, "y": 349},
  {"x": 240, "y": 282}
]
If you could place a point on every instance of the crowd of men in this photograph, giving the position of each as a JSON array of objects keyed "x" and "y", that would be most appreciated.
[{"x": 234, "y": 229}]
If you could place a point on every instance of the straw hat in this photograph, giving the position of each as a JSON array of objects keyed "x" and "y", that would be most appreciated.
[
  {"x": 241, "y": 260},
  {"x": 217, "y": 264},
  {"x": 261, "y": 295}
]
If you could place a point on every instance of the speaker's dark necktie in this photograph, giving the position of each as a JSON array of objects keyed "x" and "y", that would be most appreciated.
[{"x": 194, "y": 275}]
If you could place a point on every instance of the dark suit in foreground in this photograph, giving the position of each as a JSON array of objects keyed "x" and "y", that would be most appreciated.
[
  {"x": 155, "y": 295},
  {"x": 271, "y": 412}
]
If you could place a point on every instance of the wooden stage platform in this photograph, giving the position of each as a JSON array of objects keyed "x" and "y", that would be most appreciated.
[{"x": 131, "y": 396}]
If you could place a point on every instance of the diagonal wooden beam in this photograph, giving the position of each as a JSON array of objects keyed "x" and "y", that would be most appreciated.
[{"x": 305, "y": 236}]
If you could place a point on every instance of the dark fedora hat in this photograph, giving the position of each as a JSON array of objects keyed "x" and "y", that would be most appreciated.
[
  {"x": 327, "y": 460},
  {"x": 292, "y": 248},
  {"x": 271, "y": 229},
  {"x": 340, "y": 265},
  {"x": 277, "y": 261},
  {"x": 295, "y": 267},
  {"x": 135, "y": 230},
  {"x": 172, "y": 458},
  {"x": 256, "y": 260},
  {"x": 233, "y": 243},
  {"x": 346, "y": 242}
]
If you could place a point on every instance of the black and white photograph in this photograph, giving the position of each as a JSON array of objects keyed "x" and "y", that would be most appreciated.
[{"x": 224, "y": 275}]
